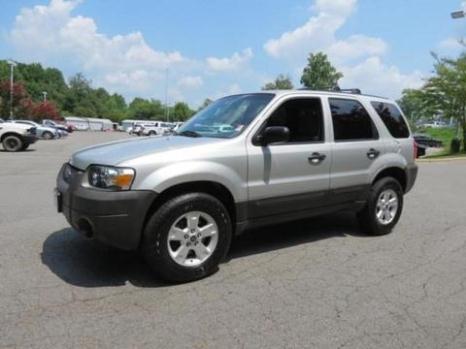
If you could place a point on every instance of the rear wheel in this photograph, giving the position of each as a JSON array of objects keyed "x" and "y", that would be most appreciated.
[
  {"x": 47, "y": 135},
  {"x": 383, "y": 209},
  {"x": 12, "y": 143},
  {"x": 152, "y": 133},
  {"x": 187, "y": 237}
]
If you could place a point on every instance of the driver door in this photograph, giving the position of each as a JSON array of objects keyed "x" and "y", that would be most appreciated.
[{"x": 292, "y": 176}]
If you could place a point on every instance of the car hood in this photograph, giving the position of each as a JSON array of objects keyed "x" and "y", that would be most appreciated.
[
  {"x": 13, "y": 125},
  {"x": 115, "y": 153}
]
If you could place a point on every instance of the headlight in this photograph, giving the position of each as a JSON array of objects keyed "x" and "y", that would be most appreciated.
[
  {"x": 67, "y": 173},
  {"x": 109, "y": 177}
]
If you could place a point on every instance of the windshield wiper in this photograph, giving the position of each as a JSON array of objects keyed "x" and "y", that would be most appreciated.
[{"x": 188, "y": 133}]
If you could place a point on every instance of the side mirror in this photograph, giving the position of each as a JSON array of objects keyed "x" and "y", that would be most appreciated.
[{"x": 273, "y": 134}]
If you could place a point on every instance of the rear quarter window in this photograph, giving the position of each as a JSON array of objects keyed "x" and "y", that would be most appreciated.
[{"x": 392, "y": 118}]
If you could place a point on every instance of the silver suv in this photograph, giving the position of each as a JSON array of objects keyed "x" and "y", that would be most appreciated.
[{"x": 244, "y": 161}]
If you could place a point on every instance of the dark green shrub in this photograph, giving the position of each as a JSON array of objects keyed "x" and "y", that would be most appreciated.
[{"x": 455, "y": 146}]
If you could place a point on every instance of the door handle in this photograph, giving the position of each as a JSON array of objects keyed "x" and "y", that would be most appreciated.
[
  {"x": 316, "y": 158},
  {"x": 372, "y": 153}
]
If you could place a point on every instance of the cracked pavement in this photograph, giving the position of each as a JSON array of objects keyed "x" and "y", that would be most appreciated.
[{"x": 316, "y": 283}]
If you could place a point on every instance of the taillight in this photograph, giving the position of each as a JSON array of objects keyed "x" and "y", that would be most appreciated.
[{"x": 415, "y": 149}]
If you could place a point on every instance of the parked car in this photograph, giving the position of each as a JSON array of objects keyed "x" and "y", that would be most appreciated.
[
  {"x": 43, "y": 132},
  {"x": 428, "y": 141},
  {"x": 16, "y": 137},
  {"x": 152, "y": 130},
  {"x": 435, "y": 124},
  {"x": 58, "y": 126},
  {"x": 286, "y": 155},
  {"x": 421, "y": 150}
]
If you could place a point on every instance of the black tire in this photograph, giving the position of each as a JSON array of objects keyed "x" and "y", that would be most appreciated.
[
  {"x": 12, "y": 143},
  {"x": 152, "y": 133},
  {"x": 47, "y": 135},
  {"x": 367, "y": 218},
  {"x": 154, "y": 245}
]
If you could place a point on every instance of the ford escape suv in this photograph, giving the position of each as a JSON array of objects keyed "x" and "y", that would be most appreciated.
[{"x": 244, "y": 161}]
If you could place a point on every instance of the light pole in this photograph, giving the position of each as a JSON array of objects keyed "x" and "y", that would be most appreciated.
[
  {"x": 12, "y": 67},
  {"x": 44, "y": 93},
  {"x": 166, "y": 95},
  {"x": 458, "y": 14}
]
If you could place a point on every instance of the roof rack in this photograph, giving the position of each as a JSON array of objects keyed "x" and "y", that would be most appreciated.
[{"x": 355, "y": 91}]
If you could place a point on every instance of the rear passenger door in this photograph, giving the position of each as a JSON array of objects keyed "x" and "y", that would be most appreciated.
[{"x": 356, "y": 146}]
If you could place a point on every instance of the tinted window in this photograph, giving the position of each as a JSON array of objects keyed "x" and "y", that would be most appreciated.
[
  {"x": 392, "y": 118},
  {"x": 351, "y": 121},
  {"x": 303, "y": 117}
]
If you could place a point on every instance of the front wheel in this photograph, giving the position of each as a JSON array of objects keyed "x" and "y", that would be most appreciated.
[
  {"x": 12, "y": 143},
  {"x": 47, "y": 135},
  {"x": 187, "y": 237},
  {"x": 383, "y": 208}
]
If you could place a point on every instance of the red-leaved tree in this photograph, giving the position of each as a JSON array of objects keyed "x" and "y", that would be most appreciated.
[{"x": 45, "y": 110}]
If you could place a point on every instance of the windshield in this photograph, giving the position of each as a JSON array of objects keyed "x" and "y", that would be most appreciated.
[{"x": 226, "y": 117}]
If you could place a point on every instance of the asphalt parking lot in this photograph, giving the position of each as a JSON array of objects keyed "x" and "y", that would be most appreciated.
[{"x": 311, "y": 284}]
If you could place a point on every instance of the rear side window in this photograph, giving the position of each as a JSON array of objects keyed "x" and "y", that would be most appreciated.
[
  {"x": 392, "y": 118},
  {"x": 351, "y": 122}
]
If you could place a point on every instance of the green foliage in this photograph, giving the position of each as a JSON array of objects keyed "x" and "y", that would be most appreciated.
[
  {"x": 444, "y": 134},
  {"x": 181, "y": 112},
  {"x": 281, "y": 82},
  {"x": 319, "y": 74},
  {"x": 145, "y": 109},
  {"x": 444, "y": 93},
  {"x": 455, "y": 146},
  {"x": 77, "y": 97}
]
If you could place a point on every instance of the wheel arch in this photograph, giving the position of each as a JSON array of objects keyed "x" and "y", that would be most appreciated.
[
  {"x": 10, "y": 133},
  {"x": 396, "y": 172},
  {"x": 216, "y": 189}
]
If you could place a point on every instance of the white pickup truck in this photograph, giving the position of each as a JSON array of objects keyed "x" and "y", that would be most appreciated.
[{"x": 16, "y": 137}]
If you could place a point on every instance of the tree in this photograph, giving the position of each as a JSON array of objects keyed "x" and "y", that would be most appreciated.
[
  {"x": 45, "y": 110},
  {"x": 282, "y": 82},
  {"x": 319, "y": 74},
  {"x": 448, "y": 88},
  {"x": 145, "y": 109},
  {"x": 181, "y": 112},
  {"x": 20, "y": 96},
  {"x": 417, "y": 104}
]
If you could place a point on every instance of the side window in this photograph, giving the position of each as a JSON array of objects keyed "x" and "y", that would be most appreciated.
[
  {"x": 351, "y": 122},
  {"x": 392, "y": 118},
  {"x": 303, "y": 117}
]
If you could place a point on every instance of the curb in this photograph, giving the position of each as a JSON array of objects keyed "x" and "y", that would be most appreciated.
[{"x": 442, "y": 159}]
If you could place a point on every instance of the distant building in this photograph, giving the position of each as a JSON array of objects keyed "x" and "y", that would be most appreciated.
[
  {"x": 89, "y": 124},
  {"x": 80, "y": 124}
]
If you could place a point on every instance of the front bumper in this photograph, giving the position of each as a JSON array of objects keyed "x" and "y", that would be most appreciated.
[
  {"x": 411, "y": 175},
  {"x": 29, "y": 139},
  {"x": 115, "y": 218}
]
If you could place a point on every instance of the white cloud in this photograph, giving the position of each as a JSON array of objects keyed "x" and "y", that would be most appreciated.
[
  {"x": 54, "y": 35},
  {"x": 358, "y": 56},
  {"x": 190, "y": 82},
  {"x": 317, "y": 32},
  {"x": 52, "y": 29},
  {"x": 451, "y": 46},
  {"x": 374, "y": 77},
  {"x": 356, "y": 46},
  {"x": 235, "y": 62}
]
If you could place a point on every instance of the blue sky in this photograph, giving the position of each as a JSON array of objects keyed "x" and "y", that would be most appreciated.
[{"x": 212, "y": 48}]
